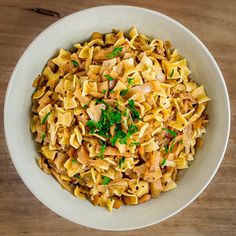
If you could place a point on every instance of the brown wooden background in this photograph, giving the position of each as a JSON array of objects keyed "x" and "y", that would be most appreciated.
[{"x": 214, "y": 212}]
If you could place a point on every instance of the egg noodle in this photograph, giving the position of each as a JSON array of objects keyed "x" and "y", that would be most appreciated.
[{"x": 117, "y": 118}]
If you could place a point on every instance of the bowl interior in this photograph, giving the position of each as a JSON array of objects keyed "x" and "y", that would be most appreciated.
[{"x": 65, "y": 33}]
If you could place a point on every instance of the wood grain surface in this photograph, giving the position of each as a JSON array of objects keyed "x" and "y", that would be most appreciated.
[{"x": 213, "y": 212}]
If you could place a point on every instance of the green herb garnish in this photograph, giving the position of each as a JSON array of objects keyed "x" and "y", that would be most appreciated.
[
  {"x": 171, "y": 132},
  {"x": 104, "y": 91},
  {"x": 169, "y": 149},
  {"x": 43, "y": 136},
  {"x": 123, "y": 92},
  {"x": 134, "y": 143},
  {"x": 121, "y": 135},
  {"x": 166, "y": 149},
  {"x": 126, "y": 113},
  {"x": 135, "y": 113},
  {"x": 85, "y": 106},
  {"x": 133, "y": 129},
  {"x": 101, "y": 101},
  {"x": 45, "y": 118},
  {"x": 130, "y": 81},
  {"x": 171, "y": 74},
  {"x": 74, "y": 161},
  {"x": 172, "y": 145},
  {"x": 77, "y": 176},
  {"x": 115, "y": 52},
  {"x": 181, "y": 141},
  {"x": 121, "y": 161},
  {"x": 108, "y": 77},
  {"x": 105, "y": 180},
  {"x": 109, "y": 117},
  {"x": 75, "y": 63},
  {"x": 103, "y": 148},
  {"x": 163, "y": 162}
]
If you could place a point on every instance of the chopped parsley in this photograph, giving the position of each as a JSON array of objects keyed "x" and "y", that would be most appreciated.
[
  {"x": 74, "y": 161},
  {"x": 123, "y": 92},
  {"x": 130, "y": 81},
  {"x": 163, "y": 162},
  {"x": 75, "y": 63},
  {"x": 103, "y": 148},
  {"x": 126, "y": 113},
  {"x": 172, "y": 145},
  {"x": 105, "y": 180},
  {"x": 171, "y": 132},
  {"x": 77, "y": 176},
  {"x": 109, "y": 117},
  {"x": 171, "y": 74},
  {"x": 115, "y": 52},
  {"x": 85, "y": 106},
  {"x": 134, "y": 112},
  {"x": 43, "y": 136},
  {"x": 45, "y": 118},
  {"x": 104, "y": 91},
  {"x": 133, "y": 129},
  {"x": 101, "y": 101},
  {"x": 134, "y": 143},
  {"x": 121, "y": 161},
  {"x": 169, "y": 149},
  {"x": 166, "y": 149},
  {"x": 108, "y": 77}
]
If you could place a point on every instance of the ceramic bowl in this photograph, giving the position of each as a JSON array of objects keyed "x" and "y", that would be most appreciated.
[{"x": 78, "y": 27}]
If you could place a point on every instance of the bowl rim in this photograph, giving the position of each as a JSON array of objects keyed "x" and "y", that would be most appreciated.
[{"x": 171, "y": 20}]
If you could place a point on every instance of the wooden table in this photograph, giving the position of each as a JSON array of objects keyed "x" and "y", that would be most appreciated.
[{"x": 214, "y": 212}]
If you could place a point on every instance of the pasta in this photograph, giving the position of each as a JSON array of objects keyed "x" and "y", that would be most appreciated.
[{"x": 117, "y": 118}]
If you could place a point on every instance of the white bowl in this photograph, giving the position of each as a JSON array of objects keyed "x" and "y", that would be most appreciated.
[{"x": 77, "y": 28}]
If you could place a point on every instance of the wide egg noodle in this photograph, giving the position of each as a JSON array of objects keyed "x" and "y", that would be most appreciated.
[{"x": 140, "y": 84}]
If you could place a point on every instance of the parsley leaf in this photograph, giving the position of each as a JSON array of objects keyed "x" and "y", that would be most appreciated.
[
  {"x": 121, "y": 161},
  {"x": 123, "y": 92},
  {"x": 134, "y": 143},
  {"x": 124, "y": 137},
  {"x": 77, "y": 176},
  {"x": 171, "y": 132},
  {"x": 130, "y": 81},
  {"x": 104, "y": 91},
  {"x": 92, "y": 126},
  {"x": 75, "y": 63},
  {"x": 166, "y": 149},
  {"x": 102, "y": 102},
  {"x": 45, "y": 118},
  {"x": 74, "y": 161},
  {"x": 103, "y": 148},
  {"x": 126, "y": 113},
  {"x": 172, "y": 145},
  {"x": 43, "y": 136},
  {"x": 85, "y": 106},
  {"x": 115, "y": 52},
  {"x": 135, "y": 113},
  {"x": 108, "y": 77},
  {"x": 109, "y": 117},
  {"x": 163, "y": 162},
  {"x": 105, "y": 180},
  {"x": 133, "y": 129},
  {"x": 169, "y": 149},
  {"x": 171, "y": 74},
  {"x": 121, "y": 135}
]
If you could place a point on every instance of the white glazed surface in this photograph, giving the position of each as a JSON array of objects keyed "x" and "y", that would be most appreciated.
[{"x": 77, "y": 28}]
